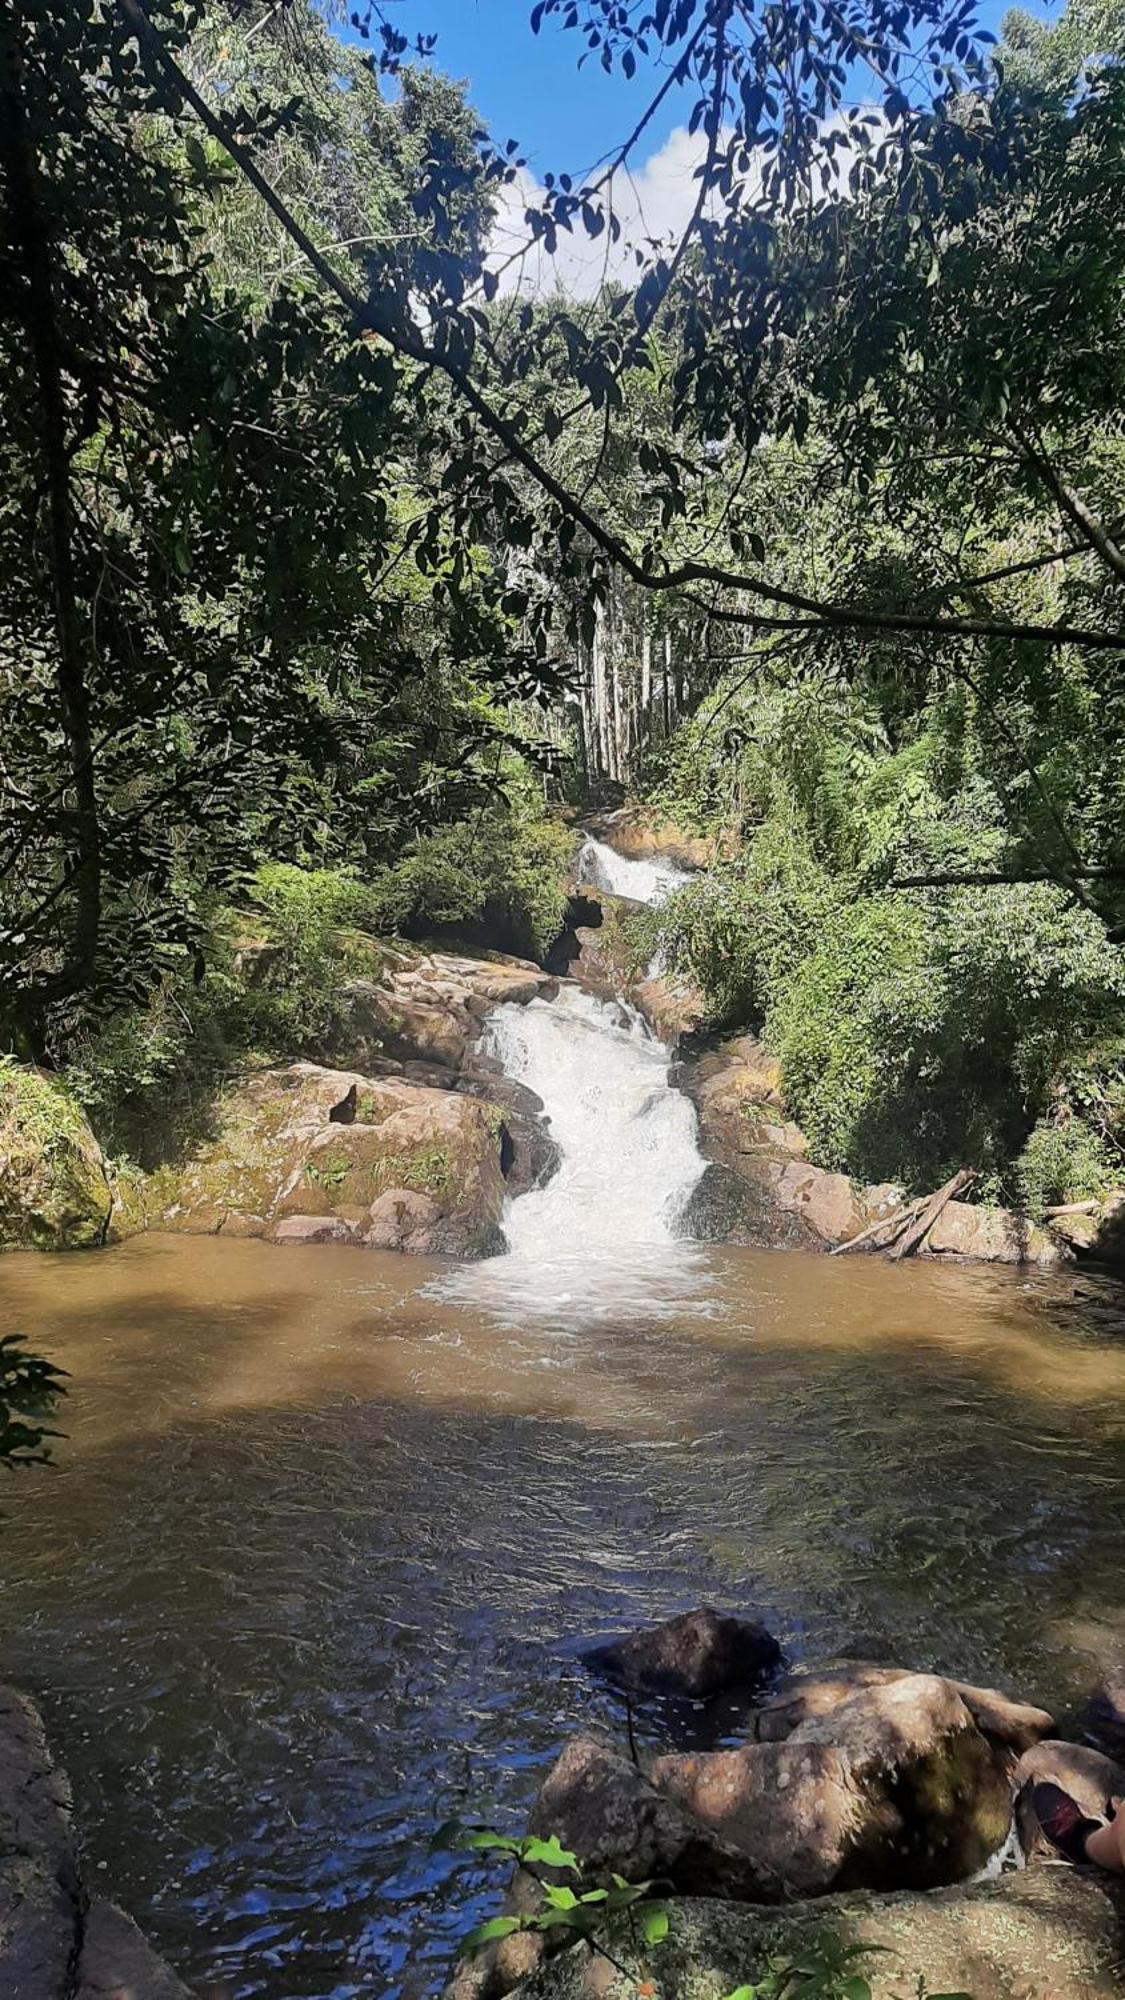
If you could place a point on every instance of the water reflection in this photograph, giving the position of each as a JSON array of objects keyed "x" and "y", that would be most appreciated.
[{"x": 324, "y": 1546}]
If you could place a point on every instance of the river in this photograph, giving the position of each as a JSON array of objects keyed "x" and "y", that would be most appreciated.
[{"x": 330, "y": 1528}]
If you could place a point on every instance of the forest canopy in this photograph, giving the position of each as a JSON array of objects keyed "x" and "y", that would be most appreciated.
[{"x": 323, "y": 545}]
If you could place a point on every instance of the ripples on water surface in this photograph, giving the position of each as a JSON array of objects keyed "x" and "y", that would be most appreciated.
[{"x": 324, "y": 1544}]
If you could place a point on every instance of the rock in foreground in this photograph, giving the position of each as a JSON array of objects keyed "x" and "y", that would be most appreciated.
[
  {"x": 54, "y": 1944},
  {"x": 895, "y": 1787},
  {"x": 1041, "y": 1934}
]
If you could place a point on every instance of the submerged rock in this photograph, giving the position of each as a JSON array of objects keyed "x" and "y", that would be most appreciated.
[
  {"x": 698, "y": 1654},
  {"x": 54, "y": 1194},
  {"x": 1039, "y": 1934}
]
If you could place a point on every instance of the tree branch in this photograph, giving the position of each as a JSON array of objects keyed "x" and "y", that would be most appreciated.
[{"x": 405, "y": 339}]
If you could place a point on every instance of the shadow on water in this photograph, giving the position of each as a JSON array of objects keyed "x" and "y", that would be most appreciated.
[{"x": 324, "y": 1550}]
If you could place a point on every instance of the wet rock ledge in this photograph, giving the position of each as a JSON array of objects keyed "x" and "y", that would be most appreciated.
[{"x": 56, "y": 1941}]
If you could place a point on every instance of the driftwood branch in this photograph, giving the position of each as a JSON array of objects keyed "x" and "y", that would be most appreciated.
[
  {"x": 904, "y": 1232},
  {"x": 913, "y": 1238}
]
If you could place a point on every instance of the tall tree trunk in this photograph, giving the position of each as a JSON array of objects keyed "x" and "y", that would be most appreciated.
[
  {"x": 37, "y": 306},
  {"x": 646, "y": 675}
]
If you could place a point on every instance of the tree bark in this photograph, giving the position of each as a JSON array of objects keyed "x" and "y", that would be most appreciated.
[{"x": 38, "y": 309}]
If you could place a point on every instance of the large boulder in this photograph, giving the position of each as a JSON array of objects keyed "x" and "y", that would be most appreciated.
[
  {"x": 603, "y": 1810},
  {"x": 894, "y": 1788},
  {"x": 994, "y": 1235},
  {"x": 54, "y": 1194},
  {"x": 1037, "y": 1934},
  {"x": 306, "y": 1153},
  {"x": 698, "y": 1654},
  {"x": 801, "y": 1698}
]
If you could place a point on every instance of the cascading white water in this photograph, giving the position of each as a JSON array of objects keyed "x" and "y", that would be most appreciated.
[
  {"x": 642, "y": 881},
  {"x": 599, "y": 1239}
]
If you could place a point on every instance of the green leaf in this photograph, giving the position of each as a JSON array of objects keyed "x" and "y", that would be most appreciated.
[
  {"x": 487, "y": 1933},
  {"x": 654, "y": 1924},
  {"x": 548, "y": 1853}
]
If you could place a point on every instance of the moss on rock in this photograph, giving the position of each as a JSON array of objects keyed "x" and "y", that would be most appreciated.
[{"x": 53, "y": 1189}]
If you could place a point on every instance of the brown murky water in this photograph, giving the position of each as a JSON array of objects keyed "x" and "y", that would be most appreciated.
[{"x": 325, "y": 1545}]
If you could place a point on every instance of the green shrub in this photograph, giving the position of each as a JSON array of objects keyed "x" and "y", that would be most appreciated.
[{"x": 1061, "y": 1162}]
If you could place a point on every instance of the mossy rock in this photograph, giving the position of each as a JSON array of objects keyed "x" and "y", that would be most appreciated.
[
  {"x": 1039, "y": 1934},
  {"x": 53, "y": 1189}
]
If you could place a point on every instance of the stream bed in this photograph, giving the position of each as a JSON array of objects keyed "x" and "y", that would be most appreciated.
[{"x": 330, "y": 1528}]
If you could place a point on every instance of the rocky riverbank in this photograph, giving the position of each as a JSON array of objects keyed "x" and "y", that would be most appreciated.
[
  {"x": 862, "y": 1806},
  {"x": 408, "y": 1140},
  {"x": 57, "y": 1941}
]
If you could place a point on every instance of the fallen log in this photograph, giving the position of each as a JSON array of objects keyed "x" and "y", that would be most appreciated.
[
  {"x": 913, "y": 1237},
  {"x": 892, "y": 1224},
  {"x": 1073, "y": 1208}
]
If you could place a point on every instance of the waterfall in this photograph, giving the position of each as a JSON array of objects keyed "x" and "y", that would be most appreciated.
[
  {"x": 641, "y": 881},
  {"x": 599, "y": 1239}
]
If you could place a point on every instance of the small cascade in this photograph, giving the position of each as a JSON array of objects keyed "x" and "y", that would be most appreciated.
[
  {"x": 601, "y": 867},
  {"x": 599, "y": 1239}
]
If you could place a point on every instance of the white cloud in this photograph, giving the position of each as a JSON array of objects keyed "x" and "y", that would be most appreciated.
[{"x": 654, "y": 204}]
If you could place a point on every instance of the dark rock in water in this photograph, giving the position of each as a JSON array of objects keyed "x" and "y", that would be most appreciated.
[
  {"x": 1091, "y": 1779},
  {"x": 55, "y": 1945},
  {"x": 895, "y": 1788},
  {"x": 1102, "y": 1721},
  {"x": 697, "y": 1655},
  {"x": 723, "y": 1207}
]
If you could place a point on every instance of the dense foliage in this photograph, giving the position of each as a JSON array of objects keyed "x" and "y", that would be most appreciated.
[{"x": 319, "y": 557}]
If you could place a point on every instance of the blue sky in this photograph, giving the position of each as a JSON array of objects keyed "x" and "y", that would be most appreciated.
[{"x": 529, "y": 88}]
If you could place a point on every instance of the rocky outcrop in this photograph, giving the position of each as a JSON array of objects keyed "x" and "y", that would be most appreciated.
[
  {"x": 54, "y": 1194},
  {"x": 427, "y": 1007},
  {"x": 861, "y": 1778},
  {"x": 411, "y": 1144},
  {"x": 309, "y": 1154},
  {"x": 763, "y": 1192},
  {"x": 54, "y": 1943},
  {"x": 698, "y": 1655},
  {"x": 1038, "y": 1934}
]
